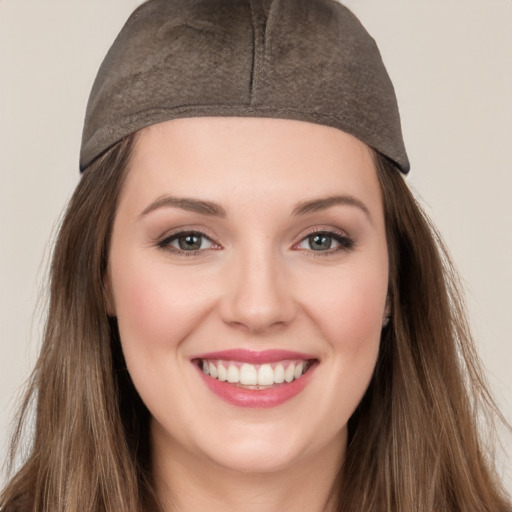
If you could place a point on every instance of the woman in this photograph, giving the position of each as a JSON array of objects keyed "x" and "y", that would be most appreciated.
[{"x": 248, "y": 309}]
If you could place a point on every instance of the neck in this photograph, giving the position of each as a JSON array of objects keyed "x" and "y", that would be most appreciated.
[{"x": 189, "y": 483}]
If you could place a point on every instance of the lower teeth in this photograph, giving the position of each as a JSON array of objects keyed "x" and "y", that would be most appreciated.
[{"x": 257, "y": 386}]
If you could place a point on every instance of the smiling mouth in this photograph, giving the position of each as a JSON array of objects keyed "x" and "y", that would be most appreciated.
[{"x": 255, "y": 376}]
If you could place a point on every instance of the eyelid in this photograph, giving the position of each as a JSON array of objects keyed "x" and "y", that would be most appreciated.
[
  {"x": 163, "y": 242},
  {"x": 343, "y": 238},
  {"x": 345, "y": 241}
]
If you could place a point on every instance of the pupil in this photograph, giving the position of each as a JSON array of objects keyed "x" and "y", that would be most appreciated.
[
  {"x": 190, "y": 242},
  {"x": 320, "y": 242}
]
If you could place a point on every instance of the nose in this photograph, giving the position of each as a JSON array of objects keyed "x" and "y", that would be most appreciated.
[{"x": 258, "y": 294}]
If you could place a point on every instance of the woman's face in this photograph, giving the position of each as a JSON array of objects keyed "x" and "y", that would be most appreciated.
[{"x": 249, "y": 250}]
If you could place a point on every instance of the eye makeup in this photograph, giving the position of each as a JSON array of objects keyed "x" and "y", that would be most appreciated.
[{"x": 320, "y": 241}]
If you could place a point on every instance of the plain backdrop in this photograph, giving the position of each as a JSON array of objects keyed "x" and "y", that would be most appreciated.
[{"x": 450, "y": 61}]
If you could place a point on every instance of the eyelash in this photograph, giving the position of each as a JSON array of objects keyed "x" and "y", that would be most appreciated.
[
  {"x": 345, "y": 242},
  {"x": 166, "y": 242}
]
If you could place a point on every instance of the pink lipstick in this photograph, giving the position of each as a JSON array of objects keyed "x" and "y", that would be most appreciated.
[
  {"x": 256, "y": 379},
  {"x": 254, "y": 357}
]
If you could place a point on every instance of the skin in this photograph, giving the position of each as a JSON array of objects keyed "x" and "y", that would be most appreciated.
[{"x": 256, "y": 283}]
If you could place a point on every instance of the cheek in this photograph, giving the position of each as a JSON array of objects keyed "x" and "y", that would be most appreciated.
[
  {"x": 351, "y": 322},
  {"x": 353, "y": 330},
  {"x": 350, "y": 307},
  {"x": 156, "y": 305},
  {"x": 349, "y": 311}
]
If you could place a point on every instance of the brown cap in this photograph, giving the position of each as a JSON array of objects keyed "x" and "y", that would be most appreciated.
[{"x": 309, "y": 60}]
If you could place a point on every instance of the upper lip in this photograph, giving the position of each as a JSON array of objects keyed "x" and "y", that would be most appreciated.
[{"x": 254, "y": 356}]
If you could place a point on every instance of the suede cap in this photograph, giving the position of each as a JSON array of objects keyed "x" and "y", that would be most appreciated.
[{"x": 309, "y": 60}]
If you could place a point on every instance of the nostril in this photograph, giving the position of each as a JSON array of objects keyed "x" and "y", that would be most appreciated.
[
  {"x": 259, "y": 318},
  {"x": 258, "y": 297}
]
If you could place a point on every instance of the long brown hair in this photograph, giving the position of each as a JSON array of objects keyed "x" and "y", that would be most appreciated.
[
  {"x": 414, "y": 441},
  {"x": 414, "y": 444},
  {"x": 90, "y": 447}
]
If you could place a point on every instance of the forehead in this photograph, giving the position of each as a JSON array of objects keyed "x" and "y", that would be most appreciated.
[{"x": 251, "y": 159}]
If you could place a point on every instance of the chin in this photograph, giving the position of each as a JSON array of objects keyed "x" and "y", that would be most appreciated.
[{"x": 257, "y": 457}]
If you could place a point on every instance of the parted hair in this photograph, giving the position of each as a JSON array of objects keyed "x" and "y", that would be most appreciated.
[{"x": 414, "y": 442}]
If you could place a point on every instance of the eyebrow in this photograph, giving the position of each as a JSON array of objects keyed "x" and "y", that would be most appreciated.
[
  {"x": 215, "y": 210},
  {"x": 316, "y": 205},
  {"x": 186, "y": 203}
]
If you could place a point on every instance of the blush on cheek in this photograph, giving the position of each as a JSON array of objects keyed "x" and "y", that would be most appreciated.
[
  {"x": 352, "y": 314},
  {"x": 158, "y": 305}
]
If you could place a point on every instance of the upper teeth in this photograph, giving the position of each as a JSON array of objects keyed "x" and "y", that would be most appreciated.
[{"x": 252, "y": 375}]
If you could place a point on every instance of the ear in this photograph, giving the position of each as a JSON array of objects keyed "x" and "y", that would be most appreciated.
[
  {"x": 108, "y": 296},
  {"x": 386, "y": 317}
]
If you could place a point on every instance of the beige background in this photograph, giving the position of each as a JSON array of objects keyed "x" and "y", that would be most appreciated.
[{"x": 450, "y": 60}]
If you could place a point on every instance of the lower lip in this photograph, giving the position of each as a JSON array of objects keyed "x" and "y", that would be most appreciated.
[{"x": 254, "y": 398}]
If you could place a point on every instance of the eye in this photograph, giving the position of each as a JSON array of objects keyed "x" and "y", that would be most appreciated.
[
  {"x": 326, "y": 241},
  {"x": 187, "y": 241}
]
